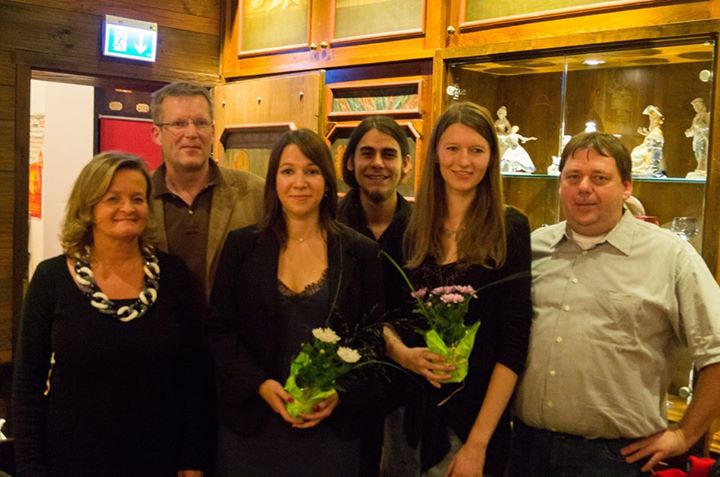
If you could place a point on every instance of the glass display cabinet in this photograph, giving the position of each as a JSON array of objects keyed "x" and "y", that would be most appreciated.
[{"x": 654, "y": 96}]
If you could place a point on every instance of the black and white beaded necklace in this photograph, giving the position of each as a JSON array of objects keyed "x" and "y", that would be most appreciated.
[{"x": 100, "y": 301}]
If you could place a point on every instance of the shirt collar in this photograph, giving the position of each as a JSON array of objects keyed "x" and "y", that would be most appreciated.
[
  {"x": 159, "y": 186},
  {"x": 619, "y": 237}
]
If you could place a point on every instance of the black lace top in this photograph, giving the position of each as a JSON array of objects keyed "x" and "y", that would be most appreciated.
[{"x": 299, "y": 313}]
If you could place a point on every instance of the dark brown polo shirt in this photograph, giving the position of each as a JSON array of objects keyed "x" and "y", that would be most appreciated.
[{"x": 186, "y": 226}]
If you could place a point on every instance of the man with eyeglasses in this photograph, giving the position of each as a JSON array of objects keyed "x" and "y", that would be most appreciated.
[{"x": 195, "y": 201}]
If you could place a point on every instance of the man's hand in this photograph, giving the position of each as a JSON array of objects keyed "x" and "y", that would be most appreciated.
[{"x": 657, "y": 447}]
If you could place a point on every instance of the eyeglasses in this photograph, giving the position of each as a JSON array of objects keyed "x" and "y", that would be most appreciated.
[{"x": 181, "y": 125}]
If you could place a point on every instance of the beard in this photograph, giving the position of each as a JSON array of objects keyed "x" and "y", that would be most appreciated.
[{"x": 377, "y": 197}]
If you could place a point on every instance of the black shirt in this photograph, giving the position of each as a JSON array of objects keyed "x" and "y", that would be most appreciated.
[{"x": 350, "y": 212}]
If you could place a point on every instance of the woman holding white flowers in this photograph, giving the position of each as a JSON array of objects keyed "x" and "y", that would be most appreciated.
[
  {"x": 461, "y": 233},
  {"x": 295, "y": 272}
]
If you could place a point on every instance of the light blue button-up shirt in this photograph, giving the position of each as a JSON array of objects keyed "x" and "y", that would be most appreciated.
[{"x": 604, "y": 322}]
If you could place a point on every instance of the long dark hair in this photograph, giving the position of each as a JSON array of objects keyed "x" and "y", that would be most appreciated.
[{"x": 314, "y": 148}]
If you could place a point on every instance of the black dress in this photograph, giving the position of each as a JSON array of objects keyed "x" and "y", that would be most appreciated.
[
  {"x": 276, "y": 449},
  {"x": 250, "y": 326},
  {"x": 125, "y": 398}
]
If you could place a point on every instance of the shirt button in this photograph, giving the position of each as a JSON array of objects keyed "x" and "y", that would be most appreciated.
[
  {"x": 550, "y": 404},
  {"x": 558, "y": 339},
  {"x": 190, "y": 211},
  {"x": 566, "y": 307},
  {"x": 552, "y": 372},
  {"x": 574, "y": 280}
]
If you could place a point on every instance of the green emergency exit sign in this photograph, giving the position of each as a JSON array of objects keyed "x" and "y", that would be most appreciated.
[{"x": 130, "y": 39}]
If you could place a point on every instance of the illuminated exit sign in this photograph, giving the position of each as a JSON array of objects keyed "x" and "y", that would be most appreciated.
[{"x": 130, "y": 39}]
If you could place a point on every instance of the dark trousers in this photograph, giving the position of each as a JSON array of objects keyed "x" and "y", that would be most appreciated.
[{"x": 541, "y": 453}]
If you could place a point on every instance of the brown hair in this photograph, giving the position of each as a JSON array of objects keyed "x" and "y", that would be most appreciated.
[
  {"x": 604, "y": 144},
  {"x": 180, "y": 89},
  {"x": 483, "y": 241},
  {"x": 316, "y": 149},
  {"x": 89, "y": 188}
]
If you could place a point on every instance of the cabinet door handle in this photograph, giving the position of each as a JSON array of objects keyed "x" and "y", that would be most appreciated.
[
  {"x": 313, "y": 46},
  {"x": 451, "y": 30},
  {"x": 323, "y": 44}
]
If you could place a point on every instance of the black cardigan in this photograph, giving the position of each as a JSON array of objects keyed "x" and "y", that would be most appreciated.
[
  {"x": 125, "y": 398},
  {"x": 243, "y": 322},
  {"x": 505, "y": 310}
]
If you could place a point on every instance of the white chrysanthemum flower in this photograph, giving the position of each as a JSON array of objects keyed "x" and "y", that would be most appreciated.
[
  {"x": 348, "y": 355},
  {"x": 326, "y": 335}
]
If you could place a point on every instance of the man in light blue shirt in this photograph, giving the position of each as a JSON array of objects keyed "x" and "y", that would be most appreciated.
[{"x": 612, "y": 295}]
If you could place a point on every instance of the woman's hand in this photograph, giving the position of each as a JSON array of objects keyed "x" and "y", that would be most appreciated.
[
  {"x": 277, "y": 398},
  {"x": 427, "y": 364},
  {"x": 323, "y": 409},
  {"x": 468, "y": 462},
  {"x": 420, "y": 361}
]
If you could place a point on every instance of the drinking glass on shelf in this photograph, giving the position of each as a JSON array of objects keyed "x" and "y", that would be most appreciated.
[{"x": 684, "y": 227}]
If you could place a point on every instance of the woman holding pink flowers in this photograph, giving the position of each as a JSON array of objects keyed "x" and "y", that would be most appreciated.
[
  {"x": 461, "y": 234},
  {"x": 288, "y": 294}
]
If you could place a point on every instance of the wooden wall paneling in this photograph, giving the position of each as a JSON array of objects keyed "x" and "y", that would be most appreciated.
[
  {"x": 7, "y": 139},
  {"x": 61, "y": 39},
  {"x": 7, "y": 111},
  {"x": 201, "y": 16},
  {"x": 19, "y": 205},
  {"x": 7, "y": 199},
  {"x": 7, "y": 102},
  {"x": 7, "y": 67},
  {"x": 5, "y": 340}
]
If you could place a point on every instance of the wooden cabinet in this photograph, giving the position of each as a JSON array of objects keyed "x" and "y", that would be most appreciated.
[
  {"x": 251, "y": 114},
  {"x": 541, "y": 23},
  {"x": 265, "y": 37}
]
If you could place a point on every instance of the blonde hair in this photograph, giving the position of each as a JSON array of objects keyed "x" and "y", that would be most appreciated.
[
  {"x": 483, "y": 239},
  {"x": 90, "y": 186}
]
